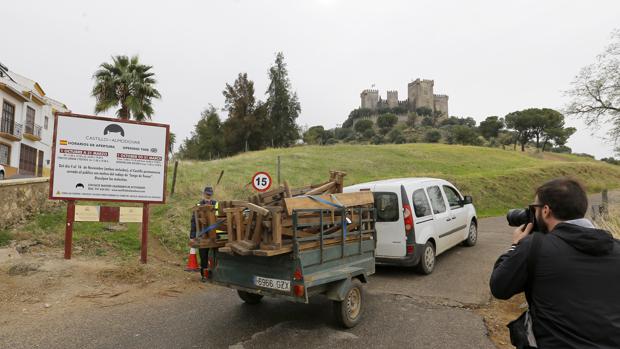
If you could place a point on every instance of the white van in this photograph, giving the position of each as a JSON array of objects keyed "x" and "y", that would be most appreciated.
[{"x": 418, "y": 219}]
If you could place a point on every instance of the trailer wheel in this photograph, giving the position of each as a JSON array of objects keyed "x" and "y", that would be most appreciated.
[
  {"x": 348, "y": 312},
  {"x": 249, "y": 298}
]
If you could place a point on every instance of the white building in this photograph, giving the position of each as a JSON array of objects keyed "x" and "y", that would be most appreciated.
[{"x": 26, "y": 125}]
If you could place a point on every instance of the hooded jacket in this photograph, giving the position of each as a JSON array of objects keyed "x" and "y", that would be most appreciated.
[{"x": 574, "y": 294}]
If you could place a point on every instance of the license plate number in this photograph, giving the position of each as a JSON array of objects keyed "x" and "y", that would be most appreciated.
[{"x": 275, "y": 284}]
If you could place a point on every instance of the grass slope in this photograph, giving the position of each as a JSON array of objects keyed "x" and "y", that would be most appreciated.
[{"x": 497, "y": 179}]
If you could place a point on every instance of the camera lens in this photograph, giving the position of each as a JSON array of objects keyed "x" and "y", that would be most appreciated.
[{"x": 518, "y": 216}]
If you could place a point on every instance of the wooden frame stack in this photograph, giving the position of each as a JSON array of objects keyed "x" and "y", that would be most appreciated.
[{"x": 263, "y": 225}]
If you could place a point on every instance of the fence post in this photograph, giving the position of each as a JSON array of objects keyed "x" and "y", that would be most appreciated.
[
  {"x": 278, "y": 169},
  {"x": 69, "y": 228},
  {"x": 174, "y": 177}
]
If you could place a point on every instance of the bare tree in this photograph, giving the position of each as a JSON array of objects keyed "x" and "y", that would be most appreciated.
[{"x": 595, "y": 92}]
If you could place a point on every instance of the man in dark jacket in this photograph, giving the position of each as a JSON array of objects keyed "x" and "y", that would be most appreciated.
[
  {"x": 207, "y": 199},
  {"x": 574, "y": 291}
]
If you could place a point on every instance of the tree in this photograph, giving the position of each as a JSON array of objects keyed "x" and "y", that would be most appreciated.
[
  {"x": 207, "y": 139},
  {"x": 363, "y": 125},
  {"x": 424, "y": 111},
  {"x": 521, "y": 122},
  {"x": 171, "y": 140},
  {"x": 342, "y": 132},
  {"x": 491, "y": 126},
  {"x": 386, "y": 122},
  {"x": 283, "y": 105},
  {"x": 245, "y": 127},
  {"x": 432, "y": 136},
  {"x": 461, "y": 134},
  {"x": 595, "y": 91},
  {"x": 125, "y": 83},
  {"x": 314, "y": 135},
  {"x": 411, "y": 119}
]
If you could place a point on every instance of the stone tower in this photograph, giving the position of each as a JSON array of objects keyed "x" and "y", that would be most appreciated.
[
  {"x": 370, "y": 98},
  {"x": 392, "y": 99},
  {"x": 441, "y": 105},
  {"x": 420, "y": 93}
]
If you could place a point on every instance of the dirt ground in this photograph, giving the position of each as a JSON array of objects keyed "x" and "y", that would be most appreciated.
[
  {"x": 498, "y": 314},
  {"x": 39, "y": 281}
]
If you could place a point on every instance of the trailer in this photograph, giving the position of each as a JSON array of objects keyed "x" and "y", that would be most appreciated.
[{"x": 335, "y": 262}]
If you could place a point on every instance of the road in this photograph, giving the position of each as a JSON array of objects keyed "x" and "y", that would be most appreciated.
[{"x": 403, "y": 310}]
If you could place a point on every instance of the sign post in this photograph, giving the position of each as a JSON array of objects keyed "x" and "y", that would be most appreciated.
[{"x": 105, "y": 159}]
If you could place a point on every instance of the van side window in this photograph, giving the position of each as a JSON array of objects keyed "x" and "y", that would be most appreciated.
[
  {"x": 434, "y": 193},
  {"x": 420, "y": 204},
  {"x": 453, "y": 196},
  {"x": 386, "y": 205}
]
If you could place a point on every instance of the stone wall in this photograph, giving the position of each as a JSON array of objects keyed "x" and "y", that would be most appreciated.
[{"x": 22, "y": 198}]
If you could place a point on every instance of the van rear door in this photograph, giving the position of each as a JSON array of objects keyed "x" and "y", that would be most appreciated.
[{"x": 391, "y": 237}]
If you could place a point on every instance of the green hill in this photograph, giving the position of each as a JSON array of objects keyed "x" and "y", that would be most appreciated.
[{"x": 497, "y": 179}]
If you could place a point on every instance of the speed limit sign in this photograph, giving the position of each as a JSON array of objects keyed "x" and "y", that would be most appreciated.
[{"x": 261, "y": 181}]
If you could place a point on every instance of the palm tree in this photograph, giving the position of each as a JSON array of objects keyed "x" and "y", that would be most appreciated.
[{"x": 127, "y": 83}]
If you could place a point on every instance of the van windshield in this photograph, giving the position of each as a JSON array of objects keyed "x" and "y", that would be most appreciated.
[{"x": 386, "y": 205}]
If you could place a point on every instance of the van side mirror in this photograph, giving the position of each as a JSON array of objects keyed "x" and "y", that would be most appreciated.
[{"x": 466, "y": 200}]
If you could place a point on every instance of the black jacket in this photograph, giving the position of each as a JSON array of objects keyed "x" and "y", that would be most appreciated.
[{"x": 575, "y": 289}]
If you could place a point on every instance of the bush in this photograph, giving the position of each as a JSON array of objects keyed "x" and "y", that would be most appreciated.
[
  {"x": 386, "y": 122},
  {"x": 343, "y": 133},
  {"x": 331, "y": 141},
  {"x": 432, "y": 136},
  {"x": 377, "y": 139},
  {"x": 427, "y": 121},
  {"x": 368, "y": 133},
  {"x": 396, "y": 136},
  {"x": 363, "y": 125},
  {"x": 566, "y": 150}
]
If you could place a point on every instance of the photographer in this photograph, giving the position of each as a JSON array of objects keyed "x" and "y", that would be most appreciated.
[{"x": 573, "y": 286}]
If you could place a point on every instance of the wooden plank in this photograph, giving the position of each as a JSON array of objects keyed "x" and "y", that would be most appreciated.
[
  {"x": 238, "y": 224},
  {"x": 347, "y": 199},
  {"x": 251, "y": 207},
  {"x": 322, "y": 189},
  {"x": 276, "y": 228},
  {"x": 248, "y": 226},
  {"x": 258, "y": 229},
  {"x": 305, "y": 246},
  {"x": 229, "y": 224},
  {"x": 287, "y": 190}
]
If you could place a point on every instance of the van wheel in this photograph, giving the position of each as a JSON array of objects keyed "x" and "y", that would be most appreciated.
[
  {"x": 427, "y": 260},
  {"x": 1, "y": 175},
  {"x": 348, "y": 312},
  {"x": 250, "y": 298},
  {"x": 472, "y": 237}
]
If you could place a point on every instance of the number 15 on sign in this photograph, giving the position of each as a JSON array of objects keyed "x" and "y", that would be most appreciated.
[{"x": 261, "y": 181}]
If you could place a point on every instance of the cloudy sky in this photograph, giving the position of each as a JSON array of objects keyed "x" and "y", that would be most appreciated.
[{"x": 490, "y": 57}]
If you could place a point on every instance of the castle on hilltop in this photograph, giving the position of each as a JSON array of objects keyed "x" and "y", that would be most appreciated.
[{"x": 419, "y": 95}]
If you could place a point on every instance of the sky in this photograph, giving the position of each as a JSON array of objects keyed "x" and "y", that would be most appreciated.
[{"x": 490, "y": 57}]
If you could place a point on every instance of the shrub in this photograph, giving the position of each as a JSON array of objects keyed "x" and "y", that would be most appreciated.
[{"x": 432, "y": 136}]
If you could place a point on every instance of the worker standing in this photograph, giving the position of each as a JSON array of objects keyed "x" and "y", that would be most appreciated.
[{"x": 207, "y": 199}]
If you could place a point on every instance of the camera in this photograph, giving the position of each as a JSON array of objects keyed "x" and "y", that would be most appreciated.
[{"x": 520, "y": 216}]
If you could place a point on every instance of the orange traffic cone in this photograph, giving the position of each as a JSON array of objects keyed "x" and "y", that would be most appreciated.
[{"x": 192, "y": 261}]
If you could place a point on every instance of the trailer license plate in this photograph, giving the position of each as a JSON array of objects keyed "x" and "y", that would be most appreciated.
[{"x": 276, "y": 284}]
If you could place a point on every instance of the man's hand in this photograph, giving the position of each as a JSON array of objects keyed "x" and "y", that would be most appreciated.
[
  {"x": 191, "y": 242},
  {"x": 521, "y": 232}
]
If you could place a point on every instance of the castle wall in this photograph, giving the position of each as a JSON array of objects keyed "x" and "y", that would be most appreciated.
[
  {"x": 392, "y": 99},
  {"x": 420, "y": 94},
  {"x": 369, "y": 99},
  {"x": 441, "y": 104}
]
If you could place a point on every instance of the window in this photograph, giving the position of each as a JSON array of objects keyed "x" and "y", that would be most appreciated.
[
  {"x": 46, "y": 122},
  {"x": 420, "y": 204},
  {"x": 5, "y": 153},
  {"x": 7, "y": 123},
  {"x": 386, "y": 205},
  {"x": 454, "y": 199},
  {"x": 29, "y": 120},
  {"x": 434, "y": 193}
]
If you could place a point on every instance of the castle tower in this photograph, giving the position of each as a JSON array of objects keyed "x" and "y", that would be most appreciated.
[
  {"x": 369, "y": 98},
  {"x": 392, "y": 99},
  {"x": 420, "y": 93},
  {"x": 441, "y": 105}
]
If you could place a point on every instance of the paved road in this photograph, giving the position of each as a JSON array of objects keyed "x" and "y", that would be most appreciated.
[{"x": 403, "y": 310}]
